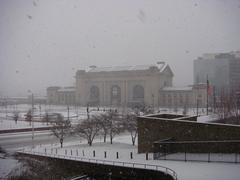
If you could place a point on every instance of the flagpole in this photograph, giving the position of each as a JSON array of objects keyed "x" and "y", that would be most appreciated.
[{"x": 207, "y": 92}]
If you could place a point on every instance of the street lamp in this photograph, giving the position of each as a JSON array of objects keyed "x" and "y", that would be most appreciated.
[{"x": 32, "y": 114}]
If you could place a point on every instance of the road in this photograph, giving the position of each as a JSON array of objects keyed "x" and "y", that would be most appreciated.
[{"x": 14, "y": 141}]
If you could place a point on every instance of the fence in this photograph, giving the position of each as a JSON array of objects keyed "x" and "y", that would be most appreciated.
[
  {"x": 206, "y": 151},
  {"x": 106, "y": 162}
]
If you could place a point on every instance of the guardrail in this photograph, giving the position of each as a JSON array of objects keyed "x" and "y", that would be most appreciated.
[{"x": 106, "y": 162}]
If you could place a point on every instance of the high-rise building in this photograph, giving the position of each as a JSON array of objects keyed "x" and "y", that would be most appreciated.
[{"x": 221, "y": 69}]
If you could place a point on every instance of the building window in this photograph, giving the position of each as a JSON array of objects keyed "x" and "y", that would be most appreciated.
[
  {"x": 115, "y": 91},
  {"x": 181, "y": 99},
  {"x": 169, "y": 99},
  {"x": 138, "y": 93},
  {"x": 163, "y": 99},
  {"x": 115, "y": 94},
  {"x": 94, "y": 94}
]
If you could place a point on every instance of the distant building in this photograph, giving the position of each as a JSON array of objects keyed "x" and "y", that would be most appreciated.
[
  {"x": 122, "y": 85},
  {"x": 222, "y": 69},
  {"x": 189, "y": 96},
  {"x": 149, "y": 85},
  {"x": 61, "y": 95}
]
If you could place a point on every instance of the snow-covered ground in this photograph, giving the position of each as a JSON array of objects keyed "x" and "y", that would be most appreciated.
[
  {"x": 6, "y": 165},
  {"x": 122, "y": 145},
  {"x": 10, "y": 124},
  {"x": 75, "y": 113}
]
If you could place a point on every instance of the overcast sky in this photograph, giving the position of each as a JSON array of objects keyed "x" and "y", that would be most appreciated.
[{"x": 44, "y": 42}]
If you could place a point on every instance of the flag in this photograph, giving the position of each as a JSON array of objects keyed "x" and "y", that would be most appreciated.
[{"x": 209, "y": 88}]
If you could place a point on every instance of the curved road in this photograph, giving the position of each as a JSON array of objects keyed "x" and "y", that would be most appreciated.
[{"x": 14, "y": 141}]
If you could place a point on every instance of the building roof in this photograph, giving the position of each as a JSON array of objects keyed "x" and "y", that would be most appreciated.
[
  {"x": 160, "y": 66},
  {"x": 67, "y": 89},
  {"x": 53, "y": 88},
  {"x": 186, "y": 88}
]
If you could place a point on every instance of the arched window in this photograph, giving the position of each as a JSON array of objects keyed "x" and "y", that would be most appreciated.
[
  {"x": 138, "y": 93},
  {"x": 115, "y": 94},
  {"x": 94, "y": 94}
]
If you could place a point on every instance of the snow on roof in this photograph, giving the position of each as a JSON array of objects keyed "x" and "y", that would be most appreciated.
[
  {"x": 67, "y": 89},
  {"x": 186, "y": 88},
  {"x": 160, "y": 67}
]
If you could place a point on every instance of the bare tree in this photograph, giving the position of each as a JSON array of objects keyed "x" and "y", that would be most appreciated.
[
  {"x": 115, "y": 124},
  {"x": 104, "y": 122},
  {"x": 61, "y": 128},
  {"x": 130, "y": 124},
  {"x": 88, "y": 129},
  {"x": 227, "y": 108},
  {"x": 28, "y": 116}
]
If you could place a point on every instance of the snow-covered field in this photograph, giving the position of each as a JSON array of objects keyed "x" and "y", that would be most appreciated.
[
  {"x": 75, "y": 114},
  {"x": 122, "y": 145}
]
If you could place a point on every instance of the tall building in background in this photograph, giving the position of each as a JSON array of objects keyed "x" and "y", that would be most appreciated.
[{"x": 222, "y": 70}]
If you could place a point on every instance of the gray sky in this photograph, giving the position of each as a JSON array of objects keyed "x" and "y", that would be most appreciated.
[{"x": 44, "y": 42}]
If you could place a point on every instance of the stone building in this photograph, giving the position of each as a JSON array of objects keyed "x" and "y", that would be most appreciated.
[
  {"x": 189, "y": 96},
  {"x": 61, "y": 95},
  {"x": 123, "y": 85},
  {"x": 149, "y": 85}
]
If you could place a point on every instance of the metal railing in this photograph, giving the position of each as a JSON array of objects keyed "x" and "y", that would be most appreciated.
[
  {"x": 106, "y": 162},
  {"x": 205, "y": 151}
]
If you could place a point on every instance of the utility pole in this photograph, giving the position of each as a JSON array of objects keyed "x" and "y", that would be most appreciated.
[
  {"x": 197, "y": 106},
  {"x": 40, "y": 112},
  {"x": 87, "y": 111},
  {"x": 32, "y": 121},
  {"x": 68, "y": 112},
  {"x": 207, "y": 92},
  {"x": 6, "y": 104},
  {"x": 197, "y": 97}
]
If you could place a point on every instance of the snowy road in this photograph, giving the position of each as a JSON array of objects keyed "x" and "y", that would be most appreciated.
[{"x": 14, "y": 141}]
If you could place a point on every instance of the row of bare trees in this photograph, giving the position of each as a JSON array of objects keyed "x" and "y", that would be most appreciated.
[
  {"x": 227, "y": 107},
  {"x": 107, "y": 124}
]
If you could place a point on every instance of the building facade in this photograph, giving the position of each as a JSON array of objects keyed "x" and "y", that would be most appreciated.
[
  {"x": 148, "y": 85},
  {"x": 122, "y": 86},
  {"x": 222, "y": 70},
  {"x": 61, "y": 95},
  {"x": 189, "y": 96}
]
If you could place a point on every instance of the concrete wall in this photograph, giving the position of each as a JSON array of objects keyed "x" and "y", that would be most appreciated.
[{"x": 155, "y": 129}]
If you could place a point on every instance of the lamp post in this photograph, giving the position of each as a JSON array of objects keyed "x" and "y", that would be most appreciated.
[{"x": 32, "y": 114}]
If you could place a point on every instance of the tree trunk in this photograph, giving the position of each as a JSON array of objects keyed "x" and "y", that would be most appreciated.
[
  {"x": 133, "y": 141},
  {"x": 105, "y": 138},
  {"x": 61, "y": 142},
  {"x": 90, "y": 143}
]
